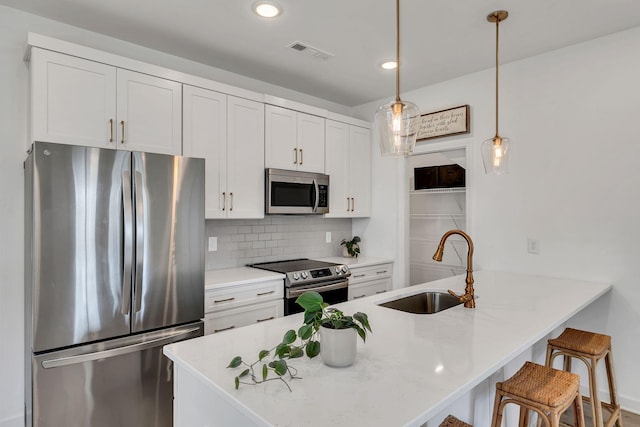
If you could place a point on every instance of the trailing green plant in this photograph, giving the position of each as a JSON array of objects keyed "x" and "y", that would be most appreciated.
[
  {"x": 352, "y": 246},
  {"x": 295, "y": 344}
]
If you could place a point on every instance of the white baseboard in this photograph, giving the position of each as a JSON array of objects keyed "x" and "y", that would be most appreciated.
[{"x": 15, "y": 421}]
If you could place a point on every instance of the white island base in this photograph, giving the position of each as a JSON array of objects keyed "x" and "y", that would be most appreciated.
[{"x": 413, "y": 370}]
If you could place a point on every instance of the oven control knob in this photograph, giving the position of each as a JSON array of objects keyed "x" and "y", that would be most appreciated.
[
  {"x": 344, "y": 269},
  {"x": 296, "y": 276},
  {"x": 338, "y": 270},
  {"x": 304, "y": 274}
]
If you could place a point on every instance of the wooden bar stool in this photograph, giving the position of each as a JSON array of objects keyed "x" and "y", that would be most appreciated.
[
  {"x": 547, "y": 391},
  {"x": 590, "y": 348},
  {"x": 452, "y": 421}
]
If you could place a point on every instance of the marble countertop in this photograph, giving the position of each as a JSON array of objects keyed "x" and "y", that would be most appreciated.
[
  {"x": 361, "y": 261},
  {"x": 411, "y": 367},
  {"x": 224, "y": 277}
]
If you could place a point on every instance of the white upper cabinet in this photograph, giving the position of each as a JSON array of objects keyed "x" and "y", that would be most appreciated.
[
  {"x": 81, "y": 102},
  {"x": 73, "y": 101},
  {"x": 228, "y": 132},
  {"x": 294, "y": 140},
  {"x": 205, "y": 136},
  {"x": 149, "y": 113},
  {"x": 349, "y": 167},
  {"x": 245, "y": 158}
]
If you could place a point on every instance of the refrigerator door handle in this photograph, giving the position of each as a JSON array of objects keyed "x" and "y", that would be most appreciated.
[
  {"x": 128, "y": 242},
  {"x": 137, "y": 291},
  {"x": 81, "y": 358}
]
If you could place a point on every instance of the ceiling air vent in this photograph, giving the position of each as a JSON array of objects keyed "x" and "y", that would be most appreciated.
[{"x": 311, "y": 51}]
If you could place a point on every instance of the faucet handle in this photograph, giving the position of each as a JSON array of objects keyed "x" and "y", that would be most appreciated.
[{"x": 456, "y": 295}]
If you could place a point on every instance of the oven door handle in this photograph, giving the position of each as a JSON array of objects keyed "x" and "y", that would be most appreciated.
[
  {"x": 316, "y": 195},
  {"x": 296, "y": 292}
]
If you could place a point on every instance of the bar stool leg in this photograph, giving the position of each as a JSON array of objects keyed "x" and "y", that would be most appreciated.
[
  {"x": 578, "y": 411},
  {"x": 613, "y": 393},
  {"x": 596, "y": 408},
  {"x": 496, "y": 419}
]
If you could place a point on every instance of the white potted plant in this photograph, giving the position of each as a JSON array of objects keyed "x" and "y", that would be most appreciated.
[
  {"x": 323, "y": 326},
  {"x": 351, "y": 247}
]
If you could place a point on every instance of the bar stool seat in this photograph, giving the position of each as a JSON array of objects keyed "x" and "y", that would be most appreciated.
[
  {"x": 452, "y": 421},
  {"x": 590, "y": 348},
  {"x": 548, "y": 392}
]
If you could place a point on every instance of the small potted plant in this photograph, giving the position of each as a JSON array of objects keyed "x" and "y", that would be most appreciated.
[
  {"x": 351, "y": 248},
  {"x": 336, "y": 332}
]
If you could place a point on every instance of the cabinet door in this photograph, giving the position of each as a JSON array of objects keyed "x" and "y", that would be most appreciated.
[
  {"x": 204, "y": 134},
  {"x": 310, "y": 143},
  {"x": 337, "y": 167},
  {"x": 245, "y": 158},
  {"x": 360, "y": 170},
  {"x": 149, "y": 113},
  {"x": 281, "y": 149},
  {"x": 73, "y": 101}
]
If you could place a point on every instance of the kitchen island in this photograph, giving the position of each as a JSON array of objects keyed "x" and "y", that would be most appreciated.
[{"x": 411, "y": 368}]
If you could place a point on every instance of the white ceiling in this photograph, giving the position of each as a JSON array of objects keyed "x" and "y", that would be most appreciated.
[{"x": 441, "y": 39}]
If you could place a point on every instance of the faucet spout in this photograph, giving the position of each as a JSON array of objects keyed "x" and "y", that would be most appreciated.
[{"x": 468, "y": 299}]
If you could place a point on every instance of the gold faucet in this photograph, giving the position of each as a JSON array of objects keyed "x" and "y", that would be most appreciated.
[{"x": 468, "y": 297}]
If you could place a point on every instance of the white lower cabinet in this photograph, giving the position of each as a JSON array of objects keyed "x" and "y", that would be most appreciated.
[
  {"x": 242, "y": 304},
  {"x": 370, "y": 280}
]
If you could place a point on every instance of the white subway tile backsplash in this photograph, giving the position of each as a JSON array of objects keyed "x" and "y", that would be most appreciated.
[{"x": 248, "y": 241}]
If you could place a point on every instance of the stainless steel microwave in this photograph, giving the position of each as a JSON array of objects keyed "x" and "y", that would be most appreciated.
[{"x": 298, "y": 193}]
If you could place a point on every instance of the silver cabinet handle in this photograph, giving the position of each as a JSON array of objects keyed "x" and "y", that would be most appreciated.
[
  {"x": 223, "y": 300},
  {"x": 231, "y": 197},
  {"x": 224, "y": 329},
  {"x": 134, "y": 348},
  {"x": 358, "y": 275},
  {"x": 301, "y": 158},
  {"x": 348, "y": 204},
  {"x": 295, "y": 158},
  {"x": 264, "y": 320},
  {"x": 110, "y": 130},
  {"x": 224, "y": 200},
  {"x": 260, "y": 294},
  {"x": 122, "y": 139},
  {"x": 137, "y": 291},
  {"x": 381, "y": 292},
  {"x": 353, "y": 204},
  {"x": 381, "y": 272},
  {"x": 127, "y": 215},
  {"x": 359, "y": 296}
]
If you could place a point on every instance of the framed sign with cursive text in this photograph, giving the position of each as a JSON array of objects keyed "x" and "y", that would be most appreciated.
[{"x": 444, "y": 123}]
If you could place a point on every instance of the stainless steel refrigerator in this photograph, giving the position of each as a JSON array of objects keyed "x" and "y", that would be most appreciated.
[{"x": 114, "y": 270}]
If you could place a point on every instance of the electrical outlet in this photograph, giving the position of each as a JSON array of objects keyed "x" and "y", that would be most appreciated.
[
  {"x": 213, "y": 244},
  {"x": 328, "y": 237},
  {"x": 533, "y": 247}
]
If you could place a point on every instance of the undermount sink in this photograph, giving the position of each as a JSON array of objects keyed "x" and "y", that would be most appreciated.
[{"x": 423, "y": 303}]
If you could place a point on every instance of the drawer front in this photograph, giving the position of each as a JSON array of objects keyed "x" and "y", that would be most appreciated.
[
  {"x": 241, "y": 295},
  {"x": 369, "y": 288},
  {"x": 364, "y": 274},
  {"x": 243, "y": 316}
]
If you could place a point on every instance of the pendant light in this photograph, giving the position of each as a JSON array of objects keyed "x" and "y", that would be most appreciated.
[
  {"x": 397, "y": 122},
  {"x": 496, "y": 151}
]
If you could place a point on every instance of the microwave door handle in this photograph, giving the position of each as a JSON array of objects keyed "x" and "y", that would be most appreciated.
[{"x": 316, "y": 197}]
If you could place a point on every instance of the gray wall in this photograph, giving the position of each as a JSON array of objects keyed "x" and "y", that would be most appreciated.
[{"x": 242, "y": 242}]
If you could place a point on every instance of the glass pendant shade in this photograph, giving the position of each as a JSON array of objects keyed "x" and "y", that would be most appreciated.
[
  {"x": 495, "y": 155},
  {"x": 397, "y": 124}
]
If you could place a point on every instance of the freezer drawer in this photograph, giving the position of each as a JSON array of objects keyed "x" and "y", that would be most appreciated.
[{"x": 125, "y": 382}]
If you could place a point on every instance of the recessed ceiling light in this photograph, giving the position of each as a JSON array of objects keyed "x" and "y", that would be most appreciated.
[
  {"x": 267, "y": 9},
  {"x": 390, "y": 65}
]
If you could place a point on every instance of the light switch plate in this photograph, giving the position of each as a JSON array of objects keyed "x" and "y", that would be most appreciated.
[
  {"x": 533, "y": 246},
  {"x": 328, "y": 237},
  {"x": 213, "y": 244}
]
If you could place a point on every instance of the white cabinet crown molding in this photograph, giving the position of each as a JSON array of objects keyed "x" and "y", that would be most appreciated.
[
  {"x": 73, "y": 49},
  {"x": 296, "y": 106}
]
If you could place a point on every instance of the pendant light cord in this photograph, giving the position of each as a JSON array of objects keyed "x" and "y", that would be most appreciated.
[
  {"x": 397, "y": 50},
  {"x": 497, "y": 38}
]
